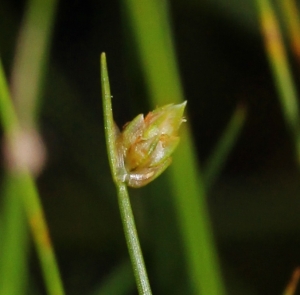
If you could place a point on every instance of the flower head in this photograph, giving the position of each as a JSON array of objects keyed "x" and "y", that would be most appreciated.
[{"x": 146, "y": 144}]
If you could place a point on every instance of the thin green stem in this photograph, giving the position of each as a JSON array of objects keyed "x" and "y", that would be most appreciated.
[
  {"x": 108, "y": 118},
  {"x": 14, "y": 240},
  {"x": 220, "y": 153},
  {"x": 153, "y": 35},
  {"x": 292, "y": 20},
  {"x": 282, "y": 76},
  {"x": 32, "y": 57},
  {"x": 41, "y": 235},
  {"x": 131, "y": 235},
  {"x": 133, "y": 241},
  {"x": 8, "y": 117},
  {"x": 29, "y": 197}
]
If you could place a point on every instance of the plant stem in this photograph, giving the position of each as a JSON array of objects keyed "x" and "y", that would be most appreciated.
[
  {"x": 38, "y": 225},
  {"x": 219, "y": 155},
  {"x": 132, "y": 239},
  {"x": 292, "y": 20},
  {"x": 108, "y": 119},
  {"x": 30, "y": 198},
  {"x": 131, "y": 235},
  {"x": 14, "y": 240},
  {"x": 32, "y": 54},
  {"x": 282, "y": 76},
  {"x": 150, "y": 25}
]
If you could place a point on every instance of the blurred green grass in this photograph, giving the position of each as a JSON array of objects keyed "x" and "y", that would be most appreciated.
[
  {"x": 150, "y": 25},
  {"x": 253, "y": 204}
]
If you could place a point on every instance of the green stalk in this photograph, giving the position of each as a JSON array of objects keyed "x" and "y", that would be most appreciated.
[
  {"x": 30, "y": 199},
  {"x": 13, "y": 241},
  {"x": 131, "y": 235},
  {"x": 32, "y": 57},
  {"x": 220, "y": 153},
  {"x": 282, "y": 76},
  {"x": 150, "y": 24},
  {"x": 292, "y": 20}
]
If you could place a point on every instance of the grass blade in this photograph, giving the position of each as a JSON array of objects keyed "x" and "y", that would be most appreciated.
[
  {"x": 31, "y": 57},
  {"x": 151, "y": 29},
  {"x": 292, "y": 19},
  {"x": 219, "y": 155},
  {"x": 14, "y": 242},
  {"x": 29, "y": 198},
  {"x": 282, "y": 76}
]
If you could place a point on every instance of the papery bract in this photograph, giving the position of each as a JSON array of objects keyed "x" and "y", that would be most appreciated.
[{"x": 146, "y": 144}]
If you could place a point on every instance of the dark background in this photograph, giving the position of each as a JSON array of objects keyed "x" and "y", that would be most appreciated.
[{"x": 255, "y": 203}]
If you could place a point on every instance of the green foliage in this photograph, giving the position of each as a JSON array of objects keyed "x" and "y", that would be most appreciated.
[{"x": 189, "y": 219}]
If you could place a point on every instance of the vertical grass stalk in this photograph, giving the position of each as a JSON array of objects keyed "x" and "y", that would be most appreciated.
[
  {"x": 292, "y": 20},
  {"x": 282, "y": 76},
  {"x": 150, "y": 24},
  {"x": 215, "y": 162},
  {"x": 13, "y": 241},
  {"x": 31, "y": 57},
  {"x": 131, "y": 235},
  {"x": 30, "y": 199}
]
